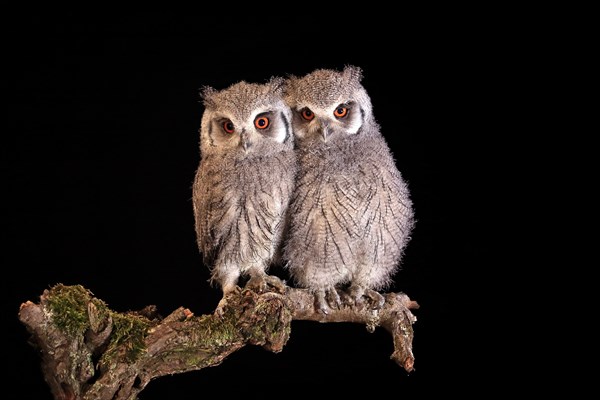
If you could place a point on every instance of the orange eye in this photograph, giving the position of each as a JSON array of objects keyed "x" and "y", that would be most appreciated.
[
  {"x": 341, "y": 112},
  {"x": 228, "y": 126},
  {"x": 307, "y": 114},
  {"x": 261, "y": 122}
]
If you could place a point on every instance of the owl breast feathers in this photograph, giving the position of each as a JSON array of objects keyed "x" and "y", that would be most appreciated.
[{"x": 351, "y": 215}]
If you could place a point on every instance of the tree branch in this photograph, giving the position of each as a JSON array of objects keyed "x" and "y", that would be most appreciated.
[{"x": 90, "y": 352}]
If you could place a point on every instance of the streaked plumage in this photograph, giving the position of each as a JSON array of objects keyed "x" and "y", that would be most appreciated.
[
  {"x": 351, "y": 213},
  {"x": 243, "y": 183}
]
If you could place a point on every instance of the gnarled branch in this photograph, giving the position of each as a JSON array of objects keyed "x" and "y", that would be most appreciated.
[{"x": 91, "y": 352}]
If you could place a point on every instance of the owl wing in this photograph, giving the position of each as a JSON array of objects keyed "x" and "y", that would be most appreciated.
[
  {"x": 387, "y": 207},
  {"x": 201, "y": 201}
]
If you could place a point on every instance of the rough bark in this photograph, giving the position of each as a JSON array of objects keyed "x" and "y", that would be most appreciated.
[{"x": 90, "y": 352}]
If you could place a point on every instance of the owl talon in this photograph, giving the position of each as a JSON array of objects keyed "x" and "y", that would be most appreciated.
[
  {"x": 376, "y": 299},
  {"x": 261, "y": 284},
  {"x": 327, "y": 299},
  {"x": 257, "y": 284},
  {"x": 346, "y": 299},
  {"x": 356, "y": 296},
  {"x": 224, "y": 303},
  {"x": 333, "y": 298},
  {"x": 276, "y": 283},
  {"x": 220, "y": 309},
  {"x": 320, "y": 303}
]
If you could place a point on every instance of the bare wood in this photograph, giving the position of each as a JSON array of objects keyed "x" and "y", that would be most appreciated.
[
  {"x": 91, "y": 352},
  {"x": 395, "y": 317}
]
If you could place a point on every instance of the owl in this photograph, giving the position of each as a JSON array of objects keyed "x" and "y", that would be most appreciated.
[
  {"x": 243, "y": 183},
  {"x": 351, "y": 215}
]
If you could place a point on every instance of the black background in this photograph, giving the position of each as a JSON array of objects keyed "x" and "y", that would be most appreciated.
[{"x": 102, "y": 147}]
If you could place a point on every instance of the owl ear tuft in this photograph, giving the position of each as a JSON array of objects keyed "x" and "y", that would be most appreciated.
[
  {"x": 290, "y": 81},
  {"x": 277, "y": 84},
  {"x": 206, "y": 93},
  {"x": 352, "y": 72}
]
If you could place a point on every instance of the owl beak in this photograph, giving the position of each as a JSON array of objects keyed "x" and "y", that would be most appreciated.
[
  {"x": 245, "y": 141},
  {"x": 325, "y": 131}
]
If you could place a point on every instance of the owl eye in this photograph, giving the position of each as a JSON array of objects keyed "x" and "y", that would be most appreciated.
[
  {"x": 228, "y": 126},
  {"x": 340, "y": 112},
  {"x": 261, "y": 122},
  {"x": 307, "y": 114}
]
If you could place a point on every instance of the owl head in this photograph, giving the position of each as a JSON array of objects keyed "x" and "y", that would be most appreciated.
[
  {"x": 245, "y": 119},
  {"x": 328, "y": 105}
]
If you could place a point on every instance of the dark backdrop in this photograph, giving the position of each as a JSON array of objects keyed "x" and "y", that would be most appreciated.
[{"x": 102, "y": 146}]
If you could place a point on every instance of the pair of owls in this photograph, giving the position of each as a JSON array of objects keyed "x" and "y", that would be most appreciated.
[{"x": 296, "y": 172}]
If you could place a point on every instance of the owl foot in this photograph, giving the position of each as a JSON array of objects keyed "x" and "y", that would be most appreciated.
[
  {"x": 356, "y": 295},
  {"x": 327, "y": 299},
  {"x": 376, "y": 299},
  {"x": 223, "y": 303},
  {"x": 276, "y": 283},
  {"x": 261, "y": 283}
]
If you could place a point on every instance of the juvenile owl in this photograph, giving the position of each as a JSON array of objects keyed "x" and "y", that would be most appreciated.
[
  {"x": 351, "y": 214},
  {"x": 243, "y": 183}
]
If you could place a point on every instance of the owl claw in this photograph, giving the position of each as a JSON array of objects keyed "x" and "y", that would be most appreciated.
[
  {"x": 220, "y": 309},
  {"x": 346, "y": 299},
  {"x": 276, "y": 283},
  {"x": 333, "y": 298},
  {"x": 356, "y": 296},
  {"x": 223, "y": 303},
  {"x": 376, "y": 299},
  {"x": 320, "y": 303},
  {"x": 326, "y": 300},
  {"x": 261, "y": 283}
]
